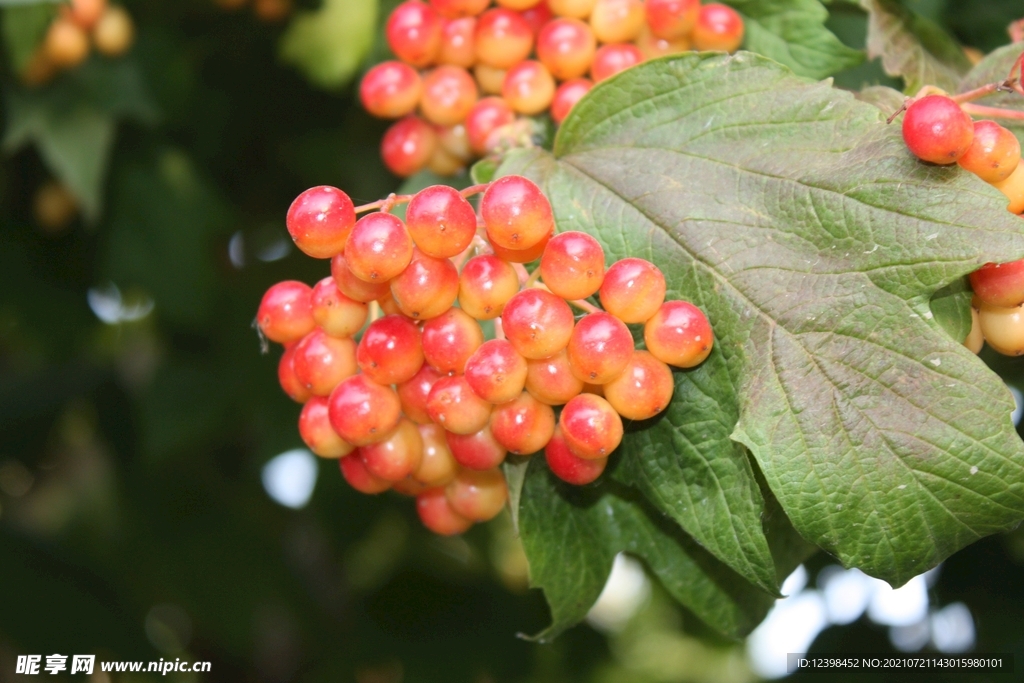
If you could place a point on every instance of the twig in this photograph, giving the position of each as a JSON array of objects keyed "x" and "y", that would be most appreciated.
[{"x": 993, "y": 112}]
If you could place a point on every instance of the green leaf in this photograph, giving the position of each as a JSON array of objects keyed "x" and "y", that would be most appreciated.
[
  {"x": 329, "y": 44},
  {"x": 912, "y": 47},
  {"x": 994, "y": 69},
  {"x": 24, "y": 26},
  {"x": 885, "y": 98},
  {"x": 796, "y": 218},
  {"x": 952, "y": 309},
  {"x": 793, "y": 33}
]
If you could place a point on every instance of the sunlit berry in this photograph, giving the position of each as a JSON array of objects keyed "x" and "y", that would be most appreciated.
[
  {"x": 414, "y": 33},
  {"x": 426, "y": 288},
  {"x": 359, "y": 478},
  {"x": 362, "y": 411},
  {"x": 458, "y": 43},
  {"x": 441, "y": 221},
  {"x": 612, "y": 59},
  {"x": 671, "y": 19},
  {"x": 600, "y": 348},
  {"x": 437, "y": 514},
  {"x": 449, "y": 93},
  {"x": 489, "y": 79},
  {"x": 566, "y": 97},
  {"x": 322, "y": 361},
  {"x": 318, "y": 434},
  {"x": 353, "y": 287},
  {"x": 390, "y": 350},
  {"x": 999, "y": 284},
  {"x": 477, "y": 451},
  {"x": 523, "y": 425},
  {"x": 438, "y": 466},
  {"x": 485, "y": 286},
  {"x": 397, "y": 456},
  {"x": 551, "y": 380},
  {"x": 320, "y": 221},
  {"x": 335, "y": 313},
  {"x": 936, "y": 129},
  {"x": 566, "y": 47},
  {"x": 643, "y": 389},
  {"x": 679, "y": 334},
  {"x": 413, "y": 394},
  {"x": 516, "y": 213},
  {"x": 577, "y": 9},
  {"x": 1003, "y": 329},
  {"x": 633, "y": 290},
  {"x": 568, "y": 466},
  {"x": 1013, "y": 188},
  {"x": 719, "y": 27},
  {"x": 496, "y": 371},
  {"x": 114, "y": 33},
  {"x": 454, "y": 405},
  {"x": 503, "y": 38},
  {"x": 537, "y": 323},
  {"x": 487, "y": 115},
  {"x": 477, "y": 495},
  {"x": 591, "y": 427},
  {"x": 452, "y": 9},
  {"x": 450, "y": 339},
  {"x": 572, "y": 265},
  {"x": 994, "y": 153},
  {"x": 528, "y": 87},
  {"x": 286, "y": 312},
  {"x": 287, "y": 378},
  {"x": 617, "y": 21},
  {"x": 391, "y": 90},
  {"x": 379, "y": 247},
  {"x": 408, "y": 145}
]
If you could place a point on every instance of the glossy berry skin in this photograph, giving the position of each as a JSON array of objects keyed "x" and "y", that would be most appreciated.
[
  {"x": 672, "y": 19},
  {"x": 1013, "y": 188},
  {"x": 718, "y": 27},
  {"x": 1003, "y": 329},
  {"x": 477, "y": 495},
  {"x": 496, "y": 372},
  {"x": 408, "y": 145},
  {"x": 453, "y": 9},
  {"x": 353, "y": 287},
  {"x": 633, "y": 290},
  {"x": 679, "y": 334},
  {"x": 437, "y": 514},
  {"x": 537, "y": 323},
  {"x": 114, "y": 33},
  {"x": 391, "y": 90},
  {"x": 450, "y": 339},
  {"x": 643, "y": 389},
  {"x": 379, "y": 248},
  {"x": 458, "y": 43},
  {"x": 335, "y": 313},
  {"x": 289, "y": 381},
  {"x": 528, "y": 87},
  {"x": 524, "y": 425},
  {"x": 503, "y": 38},
  {"x": 414, "y": 33},
  {"x": 413, "y": 394},
  {"x": 551, "y": 380},
  {"x": 453, "y": 405},
  {"x": 362, "y": 411},
  {"x": 487, "y": 115},
  {"x": 427, "y": 288},
  {"x": 612, "y": 59},
  {"x": 569, "y": 467},
  {"x": 566, "y": 97},
  {"x": 591, "y": 427},
  {"x": 390, "y": 350},
  {"x": 566, "y": 47},
  {"x": 485, "y": 286},
  {"x": 286, "y": 312},
  {"x": 527, "y": 255},
  {"x": 537, "y": 17},
  {"x": 617, "y": 21},
  {"x": 600, "y": 348},
  {"x": 993, "y": 154},
  {"x": 397, "y": 456},
  {"x": 489, "y": 78},
  {"x": 577, "y": 9},
  {"x": 318, "y": 434},
  {"x": 359, "y": 478},
  {"x": 516, "y": 213},
  {"x": 477, "y": 451},
  {"x": 322, "y": 361},
  {"x": 937, "y": 130},
  {"x": 999, "y": 284},
  {"x": 572, "y": 265},
  {"x": 449, "y": 93},
  {"x": 441, "y": 221},
  {"x": 437, "y": 466},
  {"x": 320, "y": 221}
]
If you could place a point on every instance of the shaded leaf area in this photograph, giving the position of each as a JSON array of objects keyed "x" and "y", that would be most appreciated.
[
  {"x": 329, "y": 44},
  {"x": 994, "y": 69},
  {"x": 798, "y": 221},
  {"x": 913, "y": 47},
  {"x": 24, "y": 25}
]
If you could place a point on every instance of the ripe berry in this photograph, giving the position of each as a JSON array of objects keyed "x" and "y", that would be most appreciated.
[
  {"x": 503, "y": 38},
  {"x": 527, "y": 255},
  {"x": 611, "y": 59},
  {"x": 390, "y": 351},
  {"x": 516, "y": 213},
  {"x": 653, "y": 47},
  {"x": 414, "y": 33},
  {"x": 489, "y": 78},
  {"x": 643, "y": 389},
  {"x": 477, "y": 451},
  {"x": 408, "y": 145},
  {"x": 569, "y": 467},
  {"x": 453, "y": 405},
  {"x": 391, "y": 90},
  {"x": 441, "y": 221},
  {"x": 577, "y": 9},
  {"x": 427, "y": 288},
  {"x": 496, "y": 372},
  {"x": 718, "y": 27},
  {"x": 936, "y": 129},
  {"x": 487, "y": 115},
  {"x": 413, "y": 394},
  {"x": 600, "y": 348},
  {"x": 437, "y": 514},
  {"x": 617, "y": 21},
  {"x": 437, "y": 466},
  {"x": 318, "y": 434},
  {"x": 518, "y": 5},
  {"x": 114, "y": 33},
  {"x": 66, "y": 44},
  {"x": 452, "y": 9},
  {"x": 458, "y": 43},
  {"x": 999, "y": 284},
  {"x": 679, "y": 334},
  {"x": 353, "y": 287},
  {"x": 286, "y": 312},
  {"x": 320, "y": 221},
  {"x": 566, "y": 47},
  {"x": 633, "y": 290},
  {"x": 286, "y": 377},
  {"x": 85, "y": 13},
  {"x": 1003, "y": 329},
  {"x": 567, "y": 95},
  {"x": 322, "y": 362},
  {"x": 359, "y": 478},
  {"x": 388, "y": 305},
  {"x": 975, "y": 338},
  {"x": 1013, "y": 188},
  {"x": 528, "y": 87},
  {"x": 397, "y": 456},
  {"x": 335, "y": 313},
  {"x": 537, "y": 323},
  {"x": 572, "y": 265},
  {"x": 523, "y": 425},
  {"x": 994, "y": 153},
  {"x": 449, "y": 93},
  {"x": 379, "y": 247},
  {"x": 672, "y": 19},
  {"x": 450, "y": 339},
  {"x": 537, "y": 17},
  {"x": 477, "y": 495},
  {"x": 551, "y": 381},
  {"x": 362, "y": 411},
  {"x": 485, "y": 286},
  {"x": 591, "y": 427}
]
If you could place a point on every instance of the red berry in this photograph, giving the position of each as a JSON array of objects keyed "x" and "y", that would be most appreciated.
[
  {"x": 359, "y": 478},
  {"x": 524, "y": 425},
  {"x": 477, "y": 451},
  {"x": 567, "y": 95},
  {"x": 322, "y": 362},
  {"x": 390, "y": 351},
  {"x": 611, "y": 59},
  {"x": 633, "y": 290},
  {"x": 286, "y": 312},
  {"x": 551, "y": 380},
  {"x": 427, "y": 288},
  {"x": 413, "y": 394},
  {"x": 289, "y": 381},
  {"x": 528, "y": 87},
  {"x": 537, "y": 16},
  {"x": 362, "y": 411},
  {"x": 679, "y": 334},
  {"x": 566, "y": 47},
  {"x": 516, "y": 213},
  {"x": 538, "y": 323},
  {"x": 318, "y": 434},
  {"x": 320, "y": 220},
  {"x": 591, "y": 427},
  {"x": 672, "y": 19},
  {"x": 353, "y": 287},
  {"x": 397, "y": 456},
  {"x": 496, "y": 372},
  {"x": 718, "y": 27},
  {"x": 486, "y": 116},
  {"x": 335, "y": 313},
  {"x": 518, "y": 5},
  {"x": 485, "y": 286},
  {"x": 572, "y": 265},
  {"x": 994, "y": 153},
  {"x": 503, "y": 38},
  {"x": 527, "y": 255},
  {"x": 453, "y": 405},
  {"x": 936, "y": 129},
  {"x": 85, "y": 13},
  {"x": 477, "y": 495},
  {"x": 408, "y": 145},
  {"x": 379, "y": 248},
  {"x": 437, "y": 514},
  {"x": 449, "y": 93},
  {"x": 569, "y": 467},
  {"x": 391, "y": 90},
  {"x": 600, "y": 348},
  {"x": 437, "y": 467},
  {"x": 453, "y": 9},
  {"x": 643, "y": 389},
  {"x": 414, "y": 33},
  {"x": 458, "y": 43},
  {"x": 441, "y": 221},
  {"x": 617, "y": 21},
  {"x": 999, "y": 284},
  {"x": 450, "y": 339}
]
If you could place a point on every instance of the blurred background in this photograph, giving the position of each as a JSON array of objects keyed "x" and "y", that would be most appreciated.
[{"x": 155, "y": 498}]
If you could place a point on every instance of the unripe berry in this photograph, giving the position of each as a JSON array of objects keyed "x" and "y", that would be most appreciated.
[
  {"x": 936, "y": 129},
  {"x": 390, "y": 351},
  {"x": 600, "y": 348},
  {"x": 487, "y": 115},
  {"x": 566, "y": 97},
  {"x": 391, "y": 90},
  {"x": 617, "y": 21},
  {"x": 679, "y": 334},
  {"x": 591, "y": 427},
  {"x": 569, "y": 467},
  {"x": 523, "y": 425},
  {"x": 577, "y": 9},
  {"x": 611, "y": 59},
  {"x": 450, "y": 339},
  {"x": 1013, "y": 188},
  {"x": 516, "y": 213},
  {"x": 397, "y": 456},
  {"x": 114, "y": 33},
  {"x": 489, "y": 78},
  {"x": 445, "y": 164},
  {"x": 322, "y": 362},
  {"x": 318, "y": 434},
  {"x": 994, "y": 153},
  {"x": 287, "y": 378},
  {"x": 1003, "y": 329},
  {"x": 485, "y": 286},
  {"x": 672, "y": 19},
  {"x": 453, "y": 405},
  {"x": 477, "y": 495},
  {"x": 66, "y": 44},
  {"x": 85, "y": 13},
  {"x": 427, "y": 288},
  {"x": 437, "y": 514},
  {"x": 633, "y": 290},
  {"x": 643, "y": 389},
  {"x": 537, "y": 323},
  {"x": 458, "y": 43},
  {"x": 496, "y": 372},
  {"x": 286, "y": 312},
  {"x": 359, "y": 478},
  {"x": 441, "y": 221},
  {"x": 503, "y": 38},
  {"x": 437, "y": 466},
  {"x": 408, "y": 145},
  {"x": 653, "y": 47},
  {"x": 551, "y": 380},
  {"x": 353, "y": 287},
  {"x": 414, "y": 33},
  {"x": 449, "y": 93},
  {"x": 719, "y": 27},
  {"x": 528, "y": 87},
  {"x": 522, "y": 255},
  {"x": 999, "y": 284},
  {"x": 975, "y": 338},
  {"x": 452, "y": 9},
  {"x": 362, "y": 411},
  {"x": 379, "y": 247},
  {"x": 572, "y": 265},
  {"x": 335, "y": 313},
  {"x": 455, "y": 141},
  {"x": 413, "y": 394},
  {"x": 477, "y": 451},
  {"x": 320, "y": 221},
  {"x": 566, "y": 47}
]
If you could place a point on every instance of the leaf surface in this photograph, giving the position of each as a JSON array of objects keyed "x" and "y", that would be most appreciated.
[
  {"x": 329, "y": 44},
  {"x": 994, "y": 69}
]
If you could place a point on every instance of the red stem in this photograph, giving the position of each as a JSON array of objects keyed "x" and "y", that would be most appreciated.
[{"x": 994, "y": 112}]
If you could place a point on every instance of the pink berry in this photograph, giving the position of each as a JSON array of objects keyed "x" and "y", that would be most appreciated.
[
  {"x": 320, "y": 220},
  {"x": 936, "y": 129},
  {"x": 286, "y": 312}
]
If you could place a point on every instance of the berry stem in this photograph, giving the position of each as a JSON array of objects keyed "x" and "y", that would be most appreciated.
[
  {"x": 533, "y": 278},
  {"x": 474, "y": 189},
  {"x": 578, "y": 303},
  {"x": 374, "y": 310},
  {"x": 386, "y": 204},
  {"x": 523, "y": 273},
  {"x": 499, "y": 331},
  {"x": 994, "y": 112}
]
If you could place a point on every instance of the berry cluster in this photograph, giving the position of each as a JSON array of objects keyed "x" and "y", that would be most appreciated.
[
  {"x": 936, "y": 129},
  {"x": 423, "y": 403},
  {"x": 78, "y": 25},
  {"x": 525, "y": 57},
  {"x": 267, "y": 11}
]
